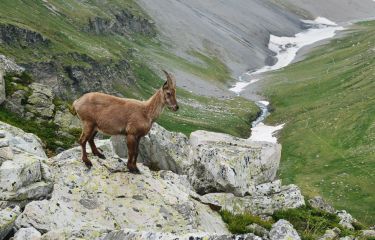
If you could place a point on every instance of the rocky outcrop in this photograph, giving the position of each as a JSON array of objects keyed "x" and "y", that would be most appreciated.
[
  {"x": 66, "y": 120},
  {"x": 109, "y": 198},
  {"x": 6, "y": 66},
  {"x": 123, "y": 23},
  {"x": 23, "y": 174},
  {"x": 159, "y": 149},
  {"x": 331, "y": 234},
  {"x": 40, "y": 102},
  {"x": 27, "y": 234},
  {"x": 319, "y": 203},
  {"x": 260, "y": 203},
  {"x": 214, "y": 162},
  {"x": 346, "y": 220},
  {"x": 20, "y": 37},
  {"x": 283, "y": 230},
  {"x": 8, "y": 217},
  {"x": 223, "y": 163}
]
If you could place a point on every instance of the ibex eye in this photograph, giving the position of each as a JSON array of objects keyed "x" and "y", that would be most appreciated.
[{"x": 169, "y": 94}]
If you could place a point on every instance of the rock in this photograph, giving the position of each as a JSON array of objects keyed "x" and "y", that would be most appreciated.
[
  {"x": 66, "y": 120},
  {"x": 319, "y": 203},
  {"x": 223, "y": 163},
  {"x": 123, "y": 22},
  {"x": 16, "y": 36},
  {"x": 92, "y": 202},
  {"x": 19, "y": 173},
  {"x": 159, "y": 149},
  {"x": 283, "y": 230},
  {"x": 8, "y": 217},
  {"x": 2, "y": 87},
  {"x": 40, "y": 102},
  {"x": 5, "y": 151},
  {"x": 346, "y": 219},
  {"x": 258, "y": 230},
  {"x": 9, "y": 66},
  {"x": 27, "y": 234},
  {"x": 131, "y": 234},
  {"x": 27, "y": 142},
  {"x": 15, "y": 102},
  {"x": 331, "y": 234},
  {"x": 368, "y": 233},
  {"x": 288, "y": 197},
  {"x": 347, "y": 238}
]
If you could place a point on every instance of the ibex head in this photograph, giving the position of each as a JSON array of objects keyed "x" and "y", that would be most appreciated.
[{"x": 169, "y": 92}]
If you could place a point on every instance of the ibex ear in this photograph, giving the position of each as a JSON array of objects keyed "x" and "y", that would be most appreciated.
[{"x": 170, "y": 83}]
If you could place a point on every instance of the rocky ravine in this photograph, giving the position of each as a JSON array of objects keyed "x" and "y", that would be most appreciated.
[{"x": 59, "y": 198}]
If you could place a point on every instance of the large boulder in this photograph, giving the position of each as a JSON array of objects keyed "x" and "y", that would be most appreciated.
[
  {"x": 262, "y": 203},
  {"x": 8, "y": 217},
  {"x": 346, "y": 220},
  {"x": 283, "y": 230},
  {"x": 223, "y": 163},
  {"x": 107, "y": 198},
  {"x": 159, "y": 149},
  {"x": 26, "y": 142},
  {"x": 27, "y": 234},
  {"x": 40, "y": 102},
  {"x": 23, "y": 174}
]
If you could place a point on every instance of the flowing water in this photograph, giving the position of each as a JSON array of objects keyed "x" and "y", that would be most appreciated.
[{"x": 286, "y": 49}]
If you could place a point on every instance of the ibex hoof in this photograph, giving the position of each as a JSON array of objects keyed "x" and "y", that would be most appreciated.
[
  {"x": 88, "y": 163},
  {"x": 134, "y": 170}
]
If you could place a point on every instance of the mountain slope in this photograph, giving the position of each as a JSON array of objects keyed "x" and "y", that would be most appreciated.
[{"x": 327, "y": 102}]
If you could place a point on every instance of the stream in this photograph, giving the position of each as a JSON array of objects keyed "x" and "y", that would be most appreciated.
[{"x": 286, "y": 49}]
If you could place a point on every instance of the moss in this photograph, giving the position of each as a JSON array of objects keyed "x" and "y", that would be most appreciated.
[
  {"x": 45, "y": 130},
  {"x": 237, "y": 223},
  {"x": 15, "y": 82}
]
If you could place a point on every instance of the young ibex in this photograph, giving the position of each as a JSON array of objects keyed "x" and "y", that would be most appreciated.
[{"x": 115, "y": 116}]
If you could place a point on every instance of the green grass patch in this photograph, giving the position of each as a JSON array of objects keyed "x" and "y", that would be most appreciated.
[
  {"x": 237, "y": 223},
  {"x": 328, "y": 104},
  {"x": 46, "y": 131}
]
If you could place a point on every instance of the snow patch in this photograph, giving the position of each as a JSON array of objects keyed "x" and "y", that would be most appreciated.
[
  {"x": 240, "y": 86},
  {"x": 264, "y": 133}
]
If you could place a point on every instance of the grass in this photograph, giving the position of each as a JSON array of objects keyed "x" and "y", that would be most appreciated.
[
  {"x": 310, "y": 223},
  {"x": 46, "y": 131},
  {"x": 328, "y": 104},
  {"x": 237, "y": 223}
]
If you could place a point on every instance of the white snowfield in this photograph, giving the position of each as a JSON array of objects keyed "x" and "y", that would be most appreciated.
[{"x": 286, "y": 49}]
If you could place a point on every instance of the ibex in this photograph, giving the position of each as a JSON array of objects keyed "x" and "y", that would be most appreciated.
[{"x": 115, "y": 116}]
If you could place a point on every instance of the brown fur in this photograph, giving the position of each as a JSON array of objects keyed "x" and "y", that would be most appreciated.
[{"x": 115, "y": 116}]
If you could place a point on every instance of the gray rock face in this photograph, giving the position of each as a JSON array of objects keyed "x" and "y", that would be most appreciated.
[
  {"x": 261, "y": 203},
  {"x": 319, "y": 203},
  {"x": 283, "y": 230},
  {"x": 99, "y": 200},
  {"x": 23, "y": 175},
  {"x": 40, "y": 103},
  {"x": 258, "y": 230},
  {"x": 23, "y": 141},
  {"x": 222, "y": 163},
  {"x": 13, "y": 35},
  {"x": 8, "y": 217},
  {"x": 2, "y": 87},
  {"x": 124, "y": 23},
  {"x": 159, "y": 149},
  {"x": 133, "y": 235},
  {"x": 14, "y": 103},
  {"x": 368, "y": 233},
  {"x": 346, "y": 220},
  {"x": 9, "y": 66},
  {"x": 66, "y": 120},
  {"x": 331, "y": 234},
  {"x": 27, "y": 234}
]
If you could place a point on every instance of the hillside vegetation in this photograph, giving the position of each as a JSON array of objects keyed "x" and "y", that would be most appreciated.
[
  {"x": 75, "y": 36},
  {"x": 328, "y": 104}
]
